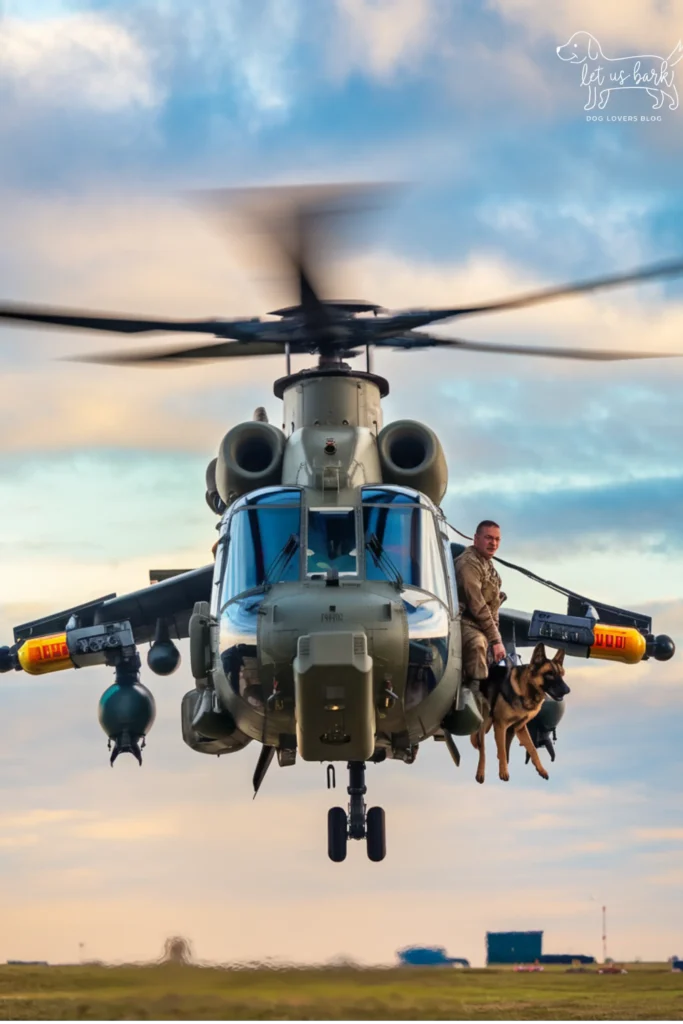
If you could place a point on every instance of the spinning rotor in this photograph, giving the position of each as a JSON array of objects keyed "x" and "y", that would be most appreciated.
[{"x": 297, "y": 221}]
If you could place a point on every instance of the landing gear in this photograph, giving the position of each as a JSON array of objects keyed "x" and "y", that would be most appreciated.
[
  {"x": 336, "y": 834},
  {"x": 376, "y": 834},
  {"x": 359, "y": 823}
]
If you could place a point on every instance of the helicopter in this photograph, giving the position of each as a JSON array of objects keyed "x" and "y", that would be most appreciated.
[{"x": 328, "y": 625}]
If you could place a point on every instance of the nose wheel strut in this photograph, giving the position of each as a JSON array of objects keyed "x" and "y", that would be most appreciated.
[{"x": 358, "y": 823}]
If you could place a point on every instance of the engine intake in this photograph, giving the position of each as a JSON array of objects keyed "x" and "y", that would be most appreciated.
[
  {"x": 411, "y": 456},
  {"x": 250, "y": 456}
]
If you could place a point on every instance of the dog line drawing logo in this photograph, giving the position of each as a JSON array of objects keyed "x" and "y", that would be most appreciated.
[{"x": 604, "y": 75}]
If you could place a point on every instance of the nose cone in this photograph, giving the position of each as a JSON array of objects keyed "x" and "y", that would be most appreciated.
[{"x": 665, "y": 648}]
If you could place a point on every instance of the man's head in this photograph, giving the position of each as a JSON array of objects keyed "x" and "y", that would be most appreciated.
[{"x": 487, "y": 538}]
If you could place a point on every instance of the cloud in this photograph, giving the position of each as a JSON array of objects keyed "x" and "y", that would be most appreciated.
[
  {"x": 129, "y": 830},
  {"x": 382, "y": 37},
  {"x": 12, "y": 842},
  {"x": 76, "y": 60},
  {"x": 642, "y": 24},
  {"x": 656, "y": 835},
  {"x": 225, "y": 51}
]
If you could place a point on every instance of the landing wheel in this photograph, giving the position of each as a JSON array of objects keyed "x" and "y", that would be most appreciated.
[
  {"x": 359, "y": 823},
  {"x": 336, "y": 834},
  {"x": 376, "y": 834}
]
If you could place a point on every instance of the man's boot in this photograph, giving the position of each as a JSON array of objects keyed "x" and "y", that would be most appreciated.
[{"x": 474, "y": 686}]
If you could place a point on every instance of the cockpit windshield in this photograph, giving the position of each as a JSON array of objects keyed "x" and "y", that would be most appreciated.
[
  {"x": 401, "y": 537},
  {"x": 332, "y": 541},
  {"x": 263, "y": 541}
]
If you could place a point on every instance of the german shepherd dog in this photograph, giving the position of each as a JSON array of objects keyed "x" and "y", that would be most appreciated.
[{"x": 511, "y": 697}]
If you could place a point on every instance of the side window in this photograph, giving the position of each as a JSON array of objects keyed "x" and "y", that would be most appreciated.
[
  {"x": 433, "y": 576},
  {"x": 214, "y": 606},
  {"x": 450, "y": 571}
]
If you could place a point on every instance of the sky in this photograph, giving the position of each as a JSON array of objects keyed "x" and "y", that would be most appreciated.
[{"x": 111, "y": 116}]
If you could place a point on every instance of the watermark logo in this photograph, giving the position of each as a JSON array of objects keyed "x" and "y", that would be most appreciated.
[{"x": 602, "y": 75}]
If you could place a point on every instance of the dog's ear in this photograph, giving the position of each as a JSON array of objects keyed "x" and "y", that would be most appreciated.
[
  {"x": 593, "y": 48},
  {"x": 559, "y": 657},
  {"x": 539, "y": 655}
]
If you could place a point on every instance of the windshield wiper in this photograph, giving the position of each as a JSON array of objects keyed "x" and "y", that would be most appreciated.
[
  {"x": 281, "y": 560},
  {"x": 382, "y": 559}
]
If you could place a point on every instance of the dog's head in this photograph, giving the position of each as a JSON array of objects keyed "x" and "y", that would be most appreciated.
[
  {"x": 580, "y": 47},
  {"x": 548, "y": 674}
]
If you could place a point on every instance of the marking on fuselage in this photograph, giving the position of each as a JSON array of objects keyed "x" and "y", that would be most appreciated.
[{"x": 328, "y": 617}]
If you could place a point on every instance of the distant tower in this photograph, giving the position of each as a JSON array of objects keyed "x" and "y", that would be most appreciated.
[{"x": 604, "y": 935}]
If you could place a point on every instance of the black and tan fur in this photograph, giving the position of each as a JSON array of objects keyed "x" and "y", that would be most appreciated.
[{"x": 510, "y": 698}]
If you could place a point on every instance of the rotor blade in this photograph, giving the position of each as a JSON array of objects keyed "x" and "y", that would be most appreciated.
[
  {"x": 301, "y": 254},
  {"x": 303, "y": 223},
  {"x": 123, "y": 325},
  {"x": 419, "y": 340},
  {"x": 408, "y": 320},
  {"x": 221, "y": 350}
]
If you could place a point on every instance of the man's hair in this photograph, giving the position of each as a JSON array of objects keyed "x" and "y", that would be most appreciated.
[{"x": 484, "y": 523}]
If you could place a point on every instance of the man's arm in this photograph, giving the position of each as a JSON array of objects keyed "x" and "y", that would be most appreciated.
[{"x": 469, "y": 580}]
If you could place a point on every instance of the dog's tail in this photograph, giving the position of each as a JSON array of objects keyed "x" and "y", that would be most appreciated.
[{"x": 675, "y": 54}]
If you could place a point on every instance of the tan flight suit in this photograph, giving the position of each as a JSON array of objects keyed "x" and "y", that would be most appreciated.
[{"x": 480, "y": 599}]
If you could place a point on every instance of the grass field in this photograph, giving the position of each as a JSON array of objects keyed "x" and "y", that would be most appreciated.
[{"x": 176, "y": 993}]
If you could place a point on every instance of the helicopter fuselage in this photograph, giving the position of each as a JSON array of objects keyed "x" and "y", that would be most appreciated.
[{"x": 334, "y": 619}]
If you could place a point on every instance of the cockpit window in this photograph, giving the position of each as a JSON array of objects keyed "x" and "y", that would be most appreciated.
[
  {"x": 332, "y": 541},
  {"x": 401, "y": 537},
  {"x": 263, "y": 541},
  {"x": 390, "y": 496}
]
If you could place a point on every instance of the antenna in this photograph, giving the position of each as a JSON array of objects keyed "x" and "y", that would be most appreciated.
[{"x": 604, "y": 935}]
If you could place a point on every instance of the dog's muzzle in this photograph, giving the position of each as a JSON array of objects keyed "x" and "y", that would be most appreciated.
[{"x": 557, "y": 690}]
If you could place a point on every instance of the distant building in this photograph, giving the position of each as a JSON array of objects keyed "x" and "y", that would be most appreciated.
[
  {"x": 513, "y": 947},
  {"x": 429, "y": 956}
]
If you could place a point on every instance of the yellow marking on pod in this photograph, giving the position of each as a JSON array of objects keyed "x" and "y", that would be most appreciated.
[
  {"x": 617, "y": 643},
  {"x": 42, "y": 654}
]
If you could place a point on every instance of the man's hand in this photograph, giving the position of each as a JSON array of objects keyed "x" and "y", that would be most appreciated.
[{"x": 498, "y": 652}]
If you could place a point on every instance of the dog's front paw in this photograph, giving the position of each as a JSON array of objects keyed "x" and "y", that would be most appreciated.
[
  {"x": 543, "y": 773},
  {"x": 504, "y": 775},
  {"x": 479, "y": 776}
]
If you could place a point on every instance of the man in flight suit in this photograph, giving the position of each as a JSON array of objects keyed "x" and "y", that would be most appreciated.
[{"x": 480, "y": 599}]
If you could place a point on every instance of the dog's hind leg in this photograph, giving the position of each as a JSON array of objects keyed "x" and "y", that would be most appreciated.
[
  {"x": 525, "y": 739},
  {"x": 508, "y": 741},
  {"x": 658, "y": 96},
  {"x": 479, "y": 741},
  {"x": 499, "y": 732}
]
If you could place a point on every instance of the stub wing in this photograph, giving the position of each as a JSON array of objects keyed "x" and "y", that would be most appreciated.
[{"x": 56, "y": 641}]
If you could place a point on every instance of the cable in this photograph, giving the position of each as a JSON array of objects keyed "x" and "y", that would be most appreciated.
[
  {"x": 527, "y": 572},
  {"x": 606, "y": 612}
]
